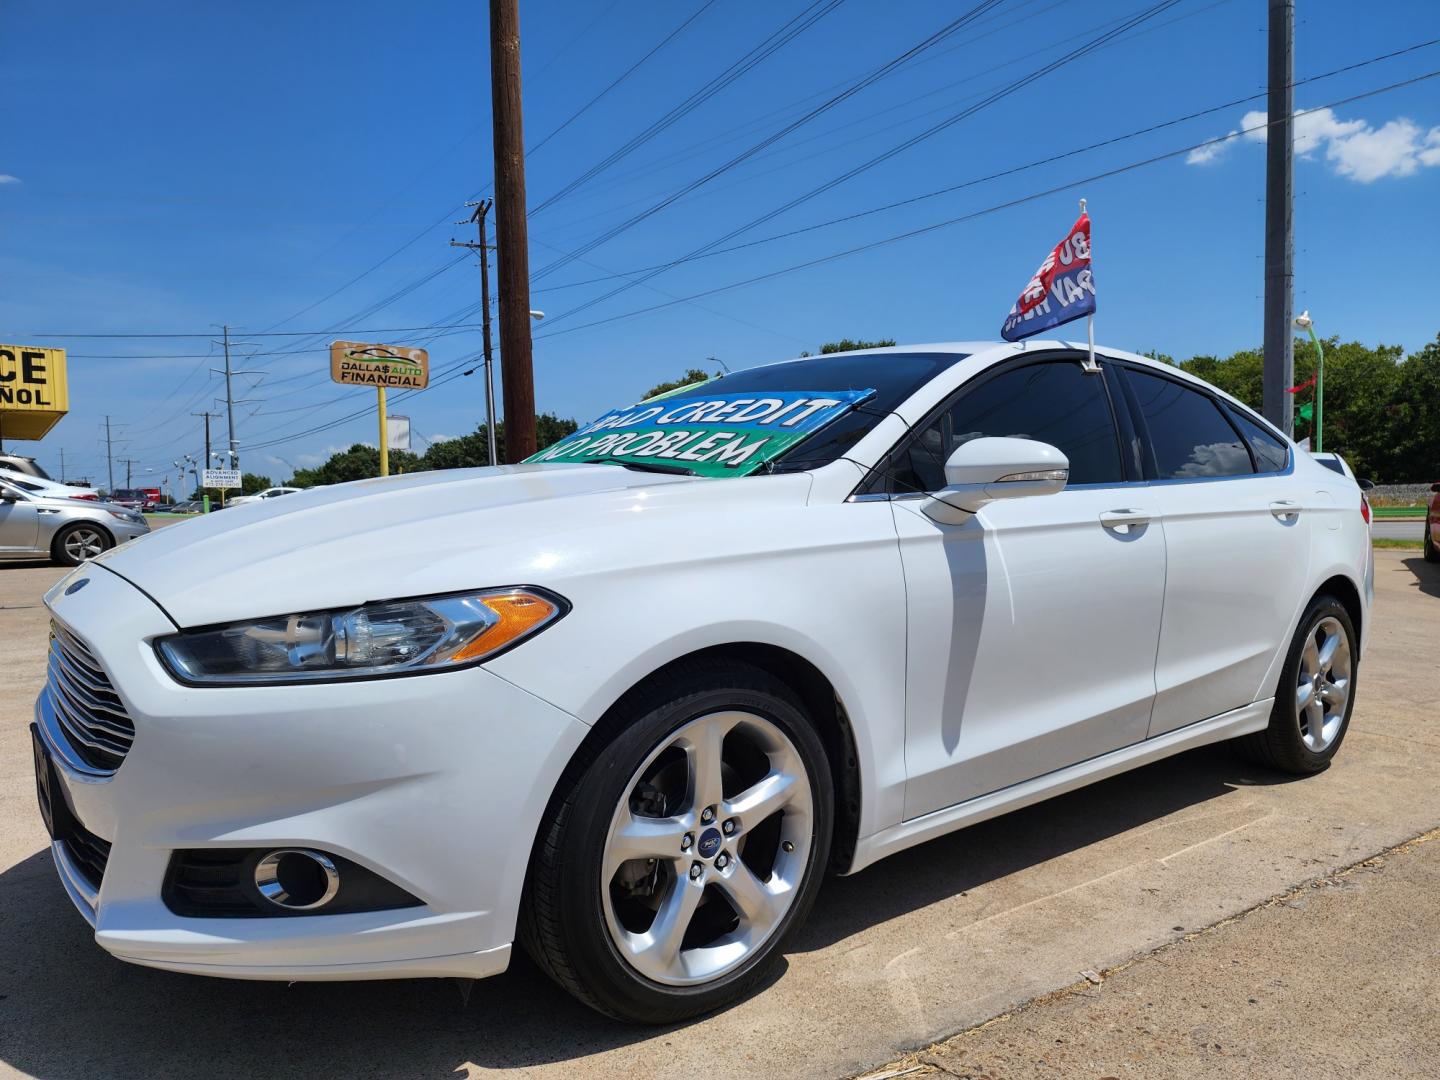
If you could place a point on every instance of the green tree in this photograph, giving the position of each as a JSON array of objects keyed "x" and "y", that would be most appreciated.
[
  {"x": 846, "y": 345},
  {"x": 471, "y": 451},
  {"x": 358, "y": 463},
  {"x": 694, "y": 375}
]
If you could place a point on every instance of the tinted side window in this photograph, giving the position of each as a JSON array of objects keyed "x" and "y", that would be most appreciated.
[
  {"x": 1190, "y": 435},
  {"x": 1271, "y": 455},
  {"x": 1055, "y": 403}
]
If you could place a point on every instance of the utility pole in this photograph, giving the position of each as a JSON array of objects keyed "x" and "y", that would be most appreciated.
[
  {"x": 512, "y": 244},
  {"x": 229, "y": 372},
  {"x": 109, "y": 460},
  {"x": 207, "y": 416},
  {"x": 229, "y": 409},
  {"x": 483, "y": 247},
  {"x": 128, "y": 463},
  {"x": 62, "y": 464},
  {"x": 1280, "y": 220}
]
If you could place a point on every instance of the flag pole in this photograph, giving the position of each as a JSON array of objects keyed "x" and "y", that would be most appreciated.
[{"x": 1090, "y": 366}]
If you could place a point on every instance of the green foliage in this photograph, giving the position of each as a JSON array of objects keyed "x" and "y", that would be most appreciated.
[
  {"x": 466, "y": 452},
  {"x": 358, "y": 463},
  {"x": 1382, "y": 409},
  {"x": 694, "y": 375},
  {"x": 251, "y": 484},
  {"x": 846, "y": 345}
]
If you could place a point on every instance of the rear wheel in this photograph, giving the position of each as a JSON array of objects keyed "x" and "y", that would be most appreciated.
[
  {"x": 669, "y": 873},
  {"x": 76, "y": 543},
  {"x": 1316, "y": 694}
]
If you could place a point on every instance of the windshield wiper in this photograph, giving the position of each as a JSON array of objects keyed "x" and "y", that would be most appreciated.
[{"x": 679, "y": 470}]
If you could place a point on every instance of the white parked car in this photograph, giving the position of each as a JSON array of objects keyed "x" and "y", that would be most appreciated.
[
  {"x": 260, "y": 496},
  {"x": 631, "y": 716},
  {"x": 47, "y": 489}
]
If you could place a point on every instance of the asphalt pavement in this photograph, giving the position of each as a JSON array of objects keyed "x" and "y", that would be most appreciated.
[
  {"x": 1398, "y": 529},
  {"x": 918, "y": 948}
]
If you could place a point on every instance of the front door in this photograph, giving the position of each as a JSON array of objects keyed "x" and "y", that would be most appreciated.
[
  {"x": 19, "y": 522},
  {"x": 1031, "y": 628}
]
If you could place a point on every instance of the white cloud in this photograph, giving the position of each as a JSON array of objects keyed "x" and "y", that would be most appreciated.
[
  {"x": 441, "y": 438},
  {"x": 6, "y": 178},
  {"x": 1352, "y": 148}
]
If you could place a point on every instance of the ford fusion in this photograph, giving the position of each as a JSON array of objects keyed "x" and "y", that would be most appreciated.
[{"x": 628, "y": 703}]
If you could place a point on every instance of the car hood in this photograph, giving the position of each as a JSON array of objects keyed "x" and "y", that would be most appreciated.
[{"x": 408, "y": 535}]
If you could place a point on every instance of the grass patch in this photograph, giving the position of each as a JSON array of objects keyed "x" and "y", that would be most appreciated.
[
  {"x": 1402, "y": 545},
  {"x": 1399, "y": 511}
]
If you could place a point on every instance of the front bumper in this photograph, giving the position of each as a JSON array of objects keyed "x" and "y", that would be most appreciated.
[{"x": 435, "y": 782}]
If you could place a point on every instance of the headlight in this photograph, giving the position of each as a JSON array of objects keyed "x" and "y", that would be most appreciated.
[
  {"x": 128, "y": 515},
  {"x": 391, "y": 637}
]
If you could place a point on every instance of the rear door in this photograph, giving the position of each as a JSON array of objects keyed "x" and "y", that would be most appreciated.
[
  {"x": 1237, "y": 542},
  {"x": 1031, "y": 627}
]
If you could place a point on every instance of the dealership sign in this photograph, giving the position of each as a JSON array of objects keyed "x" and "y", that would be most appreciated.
[
  {"x": 355, "y": 363},
  {"x": 709, "y": 434},
  {"x": 33, "y": 391}
]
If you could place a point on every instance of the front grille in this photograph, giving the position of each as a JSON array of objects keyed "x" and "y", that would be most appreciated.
[
  {"x": 88, "y": 709},
  {"x": 88, "y": 852}
]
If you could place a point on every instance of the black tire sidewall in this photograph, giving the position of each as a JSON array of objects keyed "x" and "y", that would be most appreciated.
[
  {"x": 57, "y": 545},
  {"x": 1286, "y": 722},
  {"x": 1431, "y": 555},
  {"x": 620, "y": 989}
]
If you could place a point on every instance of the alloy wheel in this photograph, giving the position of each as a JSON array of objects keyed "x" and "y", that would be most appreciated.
[
  {"x": 84, "y": 543},
  {"x": 707, "y": 850},
  {"x": 1324, "y": 684}
]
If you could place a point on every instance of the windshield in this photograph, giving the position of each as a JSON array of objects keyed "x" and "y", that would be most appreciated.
[{"x": 796, "y": 415}]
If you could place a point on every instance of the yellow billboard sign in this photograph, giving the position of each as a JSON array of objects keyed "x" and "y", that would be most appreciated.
[
  {"x": 355, "y": 363},
  {"x": 33, "y": 391}
]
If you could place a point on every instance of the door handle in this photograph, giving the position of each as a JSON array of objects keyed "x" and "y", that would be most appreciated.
[
  {"x": 1285, "y": 509},
  {"x": 1123, "y": 521}
]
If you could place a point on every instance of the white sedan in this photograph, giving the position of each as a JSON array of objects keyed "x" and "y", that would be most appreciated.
[
  {"x": 261, "y": 496},
  {"x": 628, "y": 704}
]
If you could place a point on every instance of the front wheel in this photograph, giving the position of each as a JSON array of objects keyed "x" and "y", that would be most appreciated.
[
  {"x": 667, "y": 877},
  {"x": 1316, "y": 693},
  {"x": 76, "y": 543},
  {"x": 1431, "y": 554}
]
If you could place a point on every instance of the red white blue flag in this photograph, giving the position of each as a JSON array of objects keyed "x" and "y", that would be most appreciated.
[{"x": 1061, "y": 290}]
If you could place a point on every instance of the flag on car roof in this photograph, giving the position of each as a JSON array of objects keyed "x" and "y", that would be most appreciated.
[{"x": 1062, "y": 290}]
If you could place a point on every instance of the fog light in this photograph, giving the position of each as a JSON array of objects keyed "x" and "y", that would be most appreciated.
[{"x": 297, "y": 879}]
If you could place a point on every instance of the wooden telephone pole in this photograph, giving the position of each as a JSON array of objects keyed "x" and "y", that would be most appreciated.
[{"x": 511, "y": 242}]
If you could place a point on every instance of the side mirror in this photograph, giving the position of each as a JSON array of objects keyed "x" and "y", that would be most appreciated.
[
  {"x": 1366, "y": 485},
  {"x": 984, "y": 470},
  {"x": 6, "y": 497},
  {"x": 1435, "y": 487}
]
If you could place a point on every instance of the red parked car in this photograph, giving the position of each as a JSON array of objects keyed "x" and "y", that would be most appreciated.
[{"x": 1432, "y": 526}]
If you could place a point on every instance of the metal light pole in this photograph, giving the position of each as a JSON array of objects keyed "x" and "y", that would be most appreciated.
[{"x": 1304, "y": 322}]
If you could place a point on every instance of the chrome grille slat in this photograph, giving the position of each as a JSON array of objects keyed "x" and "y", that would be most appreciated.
[
  {"x": 87, "y": 699},
  {"x": 89, "y": 712},
  {"x": 81, "y": 671}
]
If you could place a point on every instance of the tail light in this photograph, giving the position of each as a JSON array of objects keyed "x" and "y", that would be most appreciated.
[{"x": 1365, "y": 508}]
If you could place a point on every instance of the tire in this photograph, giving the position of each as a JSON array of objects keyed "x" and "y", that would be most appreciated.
[
  {"x": 75, "y": 543},
  {"x": 1306, "y": 728},
  {"x": 596, "y": 922},
  {"x": 1431, "y": 555}
]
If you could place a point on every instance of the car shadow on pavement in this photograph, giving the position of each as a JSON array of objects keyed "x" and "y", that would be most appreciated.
[
  {"x": 68, "y": 1009},
  {"x": 1427, "y": 575}
]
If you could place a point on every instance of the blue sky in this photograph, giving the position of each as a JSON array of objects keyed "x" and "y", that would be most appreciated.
[{"x": 165, "y": 168}]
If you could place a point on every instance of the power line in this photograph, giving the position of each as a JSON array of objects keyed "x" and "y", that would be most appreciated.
[
  {"x": 1013, "y": 170},
  {"x": 935, "y": 129}
]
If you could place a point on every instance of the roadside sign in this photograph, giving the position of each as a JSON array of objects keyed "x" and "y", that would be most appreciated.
[
  {"x": 220, "y": 478},
  {"x": 354, "y": 363},
  {"x": 33, "y": 391},
  {"x": 398, "y": 428}
]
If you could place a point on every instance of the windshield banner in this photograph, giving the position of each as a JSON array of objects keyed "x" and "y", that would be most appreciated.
[{"x": 712, "y": 435}]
